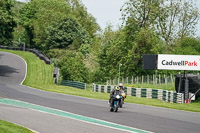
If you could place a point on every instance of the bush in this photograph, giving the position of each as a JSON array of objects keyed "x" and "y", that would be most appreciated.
[
  {"x": 66, "y": 32},
  {"x": 72, "y": 68}
]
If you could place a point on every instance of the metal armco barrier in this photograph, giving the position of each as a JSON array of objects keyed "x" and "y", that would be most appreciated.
[
  {"x": 74, "y": 84},
  {"x": 36, "y": 52},
  {"x": 163, "y": 95}
]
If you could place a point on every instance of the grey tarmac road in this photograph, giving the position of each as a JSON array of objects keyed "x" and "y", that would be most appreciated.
[
  {"x": 48, "y": 123},
  {"x": 149, "y": 118}
]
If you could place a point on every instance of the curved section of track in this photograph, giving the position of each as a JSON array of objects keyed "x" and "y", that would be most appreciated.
[
  {"x": 149, "y": 118},
  {"x": 12, "y": 69}
]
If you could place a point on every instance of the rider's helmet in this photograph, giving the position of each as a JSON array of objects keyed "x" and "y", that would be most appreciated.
[
  {"x": 120, "y": 85},
  {"x": 117, "y": 88}
]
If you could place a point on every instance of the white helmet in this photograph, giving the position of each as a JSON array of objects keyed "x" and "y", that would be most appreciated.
[{"x": 120, "y": 85}]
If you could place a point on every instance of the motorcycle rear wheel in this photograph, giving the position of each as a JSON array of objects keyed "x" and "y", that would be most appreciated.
[{"x": 121, "y": 103}]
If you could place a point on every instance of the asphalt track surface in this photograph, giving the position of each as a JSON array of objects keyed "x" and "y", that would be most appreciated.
[{"x": 154, "y": 119}]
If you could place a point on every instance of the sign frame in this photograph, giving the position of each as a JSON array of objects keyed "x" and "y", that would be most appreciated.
[{"x": 178, "y": 62}]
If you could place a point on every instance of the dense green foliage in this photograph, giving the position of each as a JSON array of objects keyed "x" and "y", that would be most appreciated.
[
  {"x": 7, "y": 22},
  {"x": 188, "y": 46},
  {"x": 38, "y": 15},
  {"x": 118, "y": 50},
  {"x": 74, "y": 69},
  {"x": 70, "y": 36},
  {"x": 71, "y": 64},
  {"x": 67, "y": 31}
]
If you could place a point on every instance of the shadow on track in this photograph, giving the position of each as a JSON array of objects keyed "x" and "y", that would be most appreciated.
[{"x": 6, "y": 71}]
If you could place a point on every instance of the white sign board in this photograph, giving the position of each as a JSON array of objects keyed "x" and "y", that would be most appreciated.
[
  {"x": 192, "y": 95},
  {"x": 178, "y": 62}
]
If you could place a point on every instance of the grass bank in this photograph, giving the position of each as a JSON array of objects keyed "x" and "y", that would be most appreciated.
[
  {"x": 44, "y": 81},
  {"x": 7, "y": 127},
  {"x": 38, "y": 73}
]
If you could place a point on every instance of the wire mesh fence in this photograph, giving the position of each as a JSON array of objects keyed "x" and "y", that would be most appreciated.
[{"x": 144, "y": 79}]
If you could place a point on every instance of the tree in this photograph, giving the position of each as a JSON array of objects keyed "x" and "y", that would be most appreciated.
[
  {"x": 48, "y": 13},
  {"x": 188, "y": 19},
  {"x": 73, "y": 68},
  {"x": 67, "y": 31},
  {"x": 171, "y": 19},
  {"x": 27, "y": 15},
  {"x": 7, "y": 22},
  {"x": 111, "y": 53},
  {"x": 87, "y": 21},
  {"x": 16, "y": 9},
  {"x": 38, "y": 15},
  {"x": 140, "y": 15},
  {"x": 142, "y": 12},
  {"x": 187, "y": 46},
  {"x": 146, "y": 42},
  {"x": 115, "y": 51},
  {"x": 177, "y": 19},
  {"x": 167, "y": 20}
]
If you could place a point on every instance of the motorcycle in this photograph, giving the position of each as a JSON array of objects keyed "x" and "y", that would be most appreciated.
[
  {"x": 116, "y": 102},
  {"x": 122, "y": 100}
]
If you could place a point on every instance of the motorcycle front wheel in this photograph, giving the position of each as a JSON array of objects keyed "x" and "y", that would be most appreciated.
[
  {"x": 120, "y": 104},
  {"x": 116, "y": 107},
  {"x": 111, "y": 109}
]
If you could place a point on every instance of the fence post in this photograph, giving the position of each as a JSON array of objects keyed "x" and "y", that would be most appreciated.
[
  {"x": 132, "y": 80},
  {"x": 148, "y": 78},
  {"x": 142, "y": 79},
  {"x": 93, "y": 87},
  {"x": 127, "y": 80},
  {"x": 165, "y": 79},
  {"x": 137, "y": 79},
  {"x": 156, "y": 79},
  {"x": 159, "y": 78},
  {"x": 171, "y": 79},
  {"x": 153, "y": 80}
]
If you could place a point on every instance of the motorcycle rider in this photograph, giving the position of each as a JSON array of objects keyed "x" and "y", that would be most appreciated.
[
  {"x": 122, "y": 90},
  {"x": 119, "y": 88}
]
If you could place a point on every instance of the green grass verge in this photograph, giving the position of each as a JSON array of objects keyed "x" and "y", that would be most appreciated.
[
  {"x": 44, "y": 81},
  {"x": 7, "y": 127}
]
